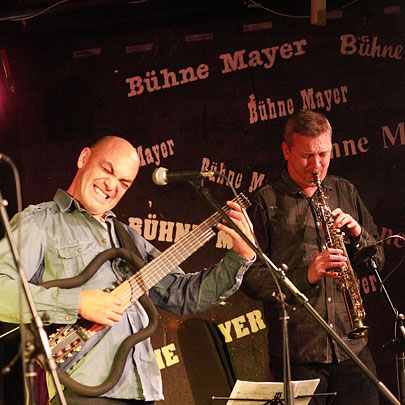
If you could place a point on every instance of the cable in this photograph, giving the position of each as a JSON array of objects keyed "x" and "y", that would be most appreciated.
[
  {"x": 399, "y": 263},
  {"x": 39, "y": 12},
  {"x": 276, "y": 12},
  {"x": 298, "y": 16}
]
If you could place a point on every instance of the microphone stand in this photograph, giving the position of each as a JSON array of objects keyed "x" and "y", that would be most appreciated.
[
  {"x": 288, "y": 388},
  {"x": 31, "y": 348},
  {"x": 301, "y": 298},
  {"x": 400, "y": 342}
]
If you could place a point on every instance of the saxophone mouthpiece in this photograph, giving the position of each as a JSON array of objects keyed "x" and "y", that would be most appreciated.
[{"x": 316, "y": 178}]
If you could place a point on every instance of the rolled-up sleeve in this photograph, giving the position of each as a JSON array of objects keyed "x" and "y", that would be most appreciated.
[{"x": 55, "y": 305}]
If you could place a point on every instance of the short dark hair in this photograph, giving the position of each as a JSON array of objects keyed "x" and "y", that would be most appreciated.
[{"x": 307, "y": 123}]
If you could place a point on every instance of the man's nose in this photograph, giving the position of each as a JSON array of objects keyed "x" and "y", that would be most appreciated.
[
  {"x": 110, "y": 182},
  {"x": 316, "y": 162}
]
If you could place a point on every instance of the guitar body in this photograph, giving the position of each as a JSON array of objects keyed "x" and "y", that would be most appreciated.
[{"x": 67, "y": 342}]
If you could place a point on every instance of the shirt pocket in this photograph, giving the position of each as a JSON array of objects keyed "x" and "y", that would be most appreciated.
[{"x": 75, "y": 257}]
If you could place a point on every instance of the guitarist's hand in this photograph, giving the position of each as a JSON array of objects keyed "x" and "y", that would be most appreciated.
[
  {"x": 242, "y": 221},
  {"x": 100, "y": 307}
]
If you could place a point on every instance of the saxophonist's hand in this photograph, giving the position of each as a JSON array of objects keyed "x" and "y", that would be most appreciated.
[
  {"x": 326, "y": 264},
  {"x": 346, "y": 223}
]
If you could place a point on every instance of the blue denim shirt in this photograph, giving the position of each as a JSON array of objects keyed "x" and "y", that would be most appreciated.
[{"x": 58, "y": 240}]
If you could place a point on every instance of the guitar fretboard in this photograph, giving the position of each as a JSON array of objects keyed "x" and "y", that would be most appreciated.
[
  {"x": 151, "y": 273},
  {"x": 70, "y": 339}
]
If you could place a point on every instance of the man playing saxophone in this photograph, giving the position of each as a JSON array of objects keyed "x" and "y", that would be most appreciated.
[{"x": 289, "y": 229}]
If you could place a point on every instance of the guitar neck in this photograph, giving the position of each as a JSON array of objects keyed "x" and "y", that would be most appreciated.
[
  {"x": 69, "y": 340},
  {"x": 143, "y": 280}
]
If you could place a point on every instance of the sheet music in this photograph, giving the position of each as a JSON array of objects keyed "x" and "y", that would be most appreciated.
[{"x": 268, "y": 390}]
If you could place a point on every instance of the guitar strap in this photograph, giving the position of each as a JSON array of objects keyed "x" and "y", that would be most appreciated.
[{"x": 126, "y": 241}]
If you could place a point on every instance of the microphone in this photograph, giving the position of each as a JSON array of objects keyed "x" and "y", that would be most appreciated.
[
  {"x": 161, "y": 176},
  {"x": 5, "y": 158},
  {"x": 366, "y": 252}
]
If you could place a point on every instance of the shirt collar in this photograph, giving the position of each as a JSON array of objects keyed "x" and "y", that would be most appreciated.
[
  {"x": 327, "y": 183},
  {"x": 67, "y": 203},
  {"x": 292, "y": 186}
]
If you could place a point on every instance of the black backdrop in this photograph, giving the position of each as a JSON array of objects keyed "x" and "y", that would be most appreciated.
[{"x": 245, "y": 73}]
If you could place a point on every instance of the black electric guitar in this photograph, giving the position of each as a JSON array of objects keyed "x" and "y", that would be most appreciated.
[{"x": 67, "y": 341}]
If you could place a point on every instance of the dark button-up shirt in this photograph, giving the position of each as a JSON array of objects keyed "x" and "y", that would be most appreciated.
[{"x": 289, "y": 232}]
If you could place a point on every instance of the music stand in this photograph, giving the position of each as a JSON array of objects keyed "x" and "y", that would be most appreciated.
[{"x": 249, "y": 392}]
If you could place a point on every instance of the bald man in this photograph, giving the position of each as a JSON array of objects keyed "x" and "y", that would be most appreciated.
[{"x": 60, "y": 238}]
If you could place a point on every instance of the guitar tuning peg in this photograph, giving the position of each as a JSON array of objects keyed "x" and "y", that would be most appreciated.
[
  {"x": 60, "y": 361},
  {"x": 70, "y": 355},
  {"x": 77, "y": 349}
]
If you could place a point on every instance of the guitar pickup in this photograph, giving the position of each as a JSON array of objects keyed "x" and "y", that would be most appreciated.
[{"x": 115, "y": 284}]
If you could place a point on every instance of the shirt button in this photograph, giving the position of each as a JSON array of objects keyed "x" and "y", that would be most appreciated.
[
  {"x": 329, "y": 299},
  {"x": 79, "y": 250},
  {"x": 67, "y": 318},
  {"x": 104, "y": 240}
]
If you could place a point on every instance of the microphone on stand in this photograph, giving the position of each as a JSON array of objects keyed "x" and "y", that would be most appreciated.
[
  {"x": 161, "y": 176},
  {"x": 366, "y": 252},
  {"x": 5, "y": 158}
]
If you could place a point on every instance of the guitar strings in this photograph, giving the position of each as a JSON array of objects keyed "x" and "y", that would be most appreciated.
[
  {"x": 196, "y": 238},
  {"x": 149, "y": 275},
  {"x": 191, "y": 242}
]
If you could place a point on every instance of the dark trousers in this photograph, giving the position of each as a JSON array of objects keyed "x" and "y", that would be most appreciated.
[
  {"x": 353, "y": 387},
  {"x": 75, "y": 399}
]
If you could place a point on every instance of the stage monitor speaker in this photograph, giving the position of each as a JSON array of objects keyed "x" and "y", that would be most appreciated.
[{"x": 206, "y": 360}]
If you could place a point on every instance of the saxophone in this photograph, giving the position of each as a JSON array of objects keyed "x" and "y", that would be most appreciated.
[{"x": 347, "y": 282}]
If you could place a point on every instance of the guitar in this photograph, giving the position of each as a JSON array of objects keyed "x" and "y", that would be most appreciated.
[{"x": 68, "y": 340}]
